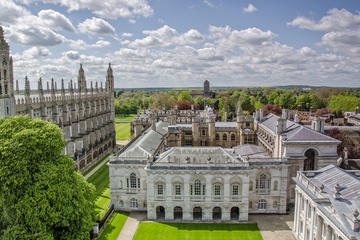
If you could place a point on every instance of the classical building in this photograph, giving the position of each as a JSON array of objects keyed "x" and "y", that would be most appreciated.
[
  {"x": 327, "y": 204},
  {"x": 192, "y": 167},
  {"x": 86, "y": 116}
]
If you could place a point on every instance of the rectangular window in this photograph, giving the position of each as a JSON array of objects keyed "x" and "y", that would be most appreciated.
[
  {"x": 160, "y": 189},
  {"x": 217, "y": 190},
  {"x": 235, "y": 190},
  {"x": 177, "y": 189},
  {"x": 203, "y": 193},
  {"x": 191, "y": 189},
  {"x": 138, "y": 182},
  {"x": 127, "y": 183}
]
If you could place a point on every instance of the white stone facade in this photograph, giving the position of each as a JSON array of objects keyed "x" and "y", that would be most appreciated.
[{"x": 327, "y": 204}]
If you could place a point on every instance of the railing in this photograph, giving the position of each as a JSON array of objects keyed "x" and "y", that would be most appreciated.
[
  {"x": 132, "y": 190},
  {"x": 199, "y": 198},
  {"x": 263, "y": 191},
  {"x": 217, "y": 198},
  {"x": 235, "y": 198},
  {"x": 178, "y": 198}
]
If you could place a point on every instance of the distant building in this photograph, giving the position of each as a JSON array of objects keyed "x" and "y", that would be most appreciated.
[
  {"x": 327, "y": 204},
  {"x": 205, "y": 93}
]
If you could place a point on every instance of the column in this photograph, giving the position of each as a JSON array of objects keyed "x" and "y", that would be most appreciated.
[
  {"x": 187, "y": 210},
  {"x": 208, "y": 190}
]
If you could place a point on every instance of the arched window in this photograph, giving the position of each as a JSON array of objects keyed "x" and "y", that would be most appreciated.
[
  {"x": 133, "y": 203},
  {"x": 263, "y": 181},
  {"x": 225, "y": 137},
  {"x": 262, "y": 204},
  {"x": 232, "y": 137},
  {"x": 217, "y": 137},
  {"x": 309, "y": 163},
  {"x": 132, "y": 180}
]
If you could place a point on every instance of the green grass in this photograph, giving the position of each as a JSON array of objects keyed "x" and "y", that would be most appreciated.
[
  {"x": 114, "y": 226},
  {"x": 94, "y": 166},
  {"x": 122, "y": 131},
  {"x": 102, "y": 203},
  {"x": 125, "y": 118},
  {"x": 196, "y": 231},
  {"x": 100, "y": 179}
]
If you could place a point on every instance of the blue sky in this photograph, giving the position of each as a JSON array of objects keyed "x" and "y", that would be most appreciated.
[{"x": 176, "y": 43}]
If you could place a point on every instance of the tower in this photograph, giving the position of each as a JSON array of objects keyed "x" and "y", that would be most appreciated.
[
  {"x": 7, "y": 99},
  {"x": 206, "y": 88}
]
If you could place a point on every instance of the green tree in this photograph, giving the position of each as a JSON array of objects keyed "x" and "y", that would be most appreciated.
[
  {"x": 41, "y": 195},
  {"x": 304, "y": 101},
  {"x": 344, "y": 103},
  {"x": 185, "y": 95}
]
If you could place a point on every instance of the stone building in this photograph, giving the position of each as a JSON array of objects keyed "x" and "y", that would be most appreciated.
[
  {"x": 327, "y": 204},
  {"x": 85, "y": 115},
  {"x": 253, "y": 159}
]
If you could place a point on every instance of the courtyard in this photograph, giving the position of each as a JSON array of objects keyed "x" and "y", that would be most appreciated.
[{"x": 196, "y": 231}]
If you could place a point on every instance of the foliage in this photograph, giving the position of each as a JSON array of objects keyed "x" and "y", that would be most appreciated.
[
  {"x": 186, "y": 105},
  {"x": 41, "y": 196},
  {"x": 271, "y": 108},
  {"x": 162, "y": 100},
  {"x": 185, "y": 95},
  {"x": 344, "y": 103},
  {"x": 346, "y": 141}
]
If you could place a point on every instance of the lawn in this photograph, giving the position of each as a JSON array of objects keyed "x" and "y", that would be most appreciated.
[
  {"x": 114, "y": 226},
  {"x": 125, "y": 118},
  {"x": 196, "y": 231},
  {"x": 100, "y": 179},
  {"x": 122, "y": 131}
]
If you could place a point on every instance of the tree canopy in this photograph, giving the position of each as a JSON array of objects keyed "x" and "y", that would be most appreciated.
[{"x": 41, "y": 195}]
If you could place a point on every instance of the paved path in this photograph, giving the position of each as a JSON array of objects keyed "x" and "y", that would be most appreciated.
[
  {"x": 272, "y": 227},
  {"x": 129, "y": 229},
  {"x": 96, "y": 168}
]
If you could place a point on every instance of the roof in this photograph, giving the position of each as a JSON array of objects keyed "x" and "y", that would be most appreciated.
[
  {"x": 225, "y": 124},
  {"x": 339, "y": 209},
  {"x": 146, "y": 145},
  {"x": 295, "y": 132},
  {"x": 198, "y": 158}
]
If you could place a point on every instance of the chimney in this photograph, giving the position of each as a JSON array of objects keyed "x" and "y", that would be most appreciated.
[
  {"x": 261, "y": 114},
  {"x": 285, "y": 114},
  {"x": 357, "y": 110},
  {"x": 281, "y": 126},
  {"x": 318, "y": 124},
  {"x": 296, "y": 118},
  {"x": 153, "y": 123},
  {"x": 225, "y": 116}
]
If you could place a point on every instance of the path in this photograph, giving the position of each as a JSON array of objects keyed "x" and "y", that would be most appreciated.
[
  {"x": 129, "y": 229},
  {"x": 277, "y": 227},
  {"x": 96, "y": 168}
]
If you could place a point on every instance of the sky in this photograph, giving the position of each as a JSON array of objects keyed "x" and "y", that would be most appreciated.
[{"x": 181, "y": 43}]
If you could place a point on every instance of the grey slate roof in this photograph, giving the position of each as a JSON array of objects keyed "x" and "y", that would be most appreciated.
[
  {"x": 295, "y": 132},
  {"x": 339, "y": 210},
  {"x": 225, "y": 124}
]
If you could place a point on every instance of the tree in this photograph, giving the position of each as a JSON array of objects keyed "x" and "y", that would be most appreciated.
[
  {"x": 344, "y": 103},
  {"x": 41, "y": 195},
  {"x": 271, "y": 108},
  {"x": 186, "y": 105},
  {"x": 185, "y": 95}
]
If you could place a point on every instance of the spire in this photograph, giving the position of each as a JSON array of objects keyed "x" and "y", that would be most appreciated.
[
  {"x": 96, "y": 87},
  {"x": 56, "y": 87},
  {"x": 47, "y": 87},
  {"x": 40, "y": 88},
  {"x": 239, "y": 110},
  {"x": 27, "y": 86},
  {"x": 91, "y": 87},
  {"x": 71, "y": 89},
  {"x": 52, "y": 87},
  {"x": 17, "y": 87},
  {"x": 81, "y": 80},
  {"x": 109, "y": 80},
  {"x": 62, "y": 87},
  {"x": 1, "y": 33},
  {"x": 101, "y": 87}
]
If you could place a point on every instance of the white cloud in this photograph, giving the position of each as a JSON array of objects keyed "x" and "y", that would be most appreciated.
[
  {"x": 133, "y": 21},
  {"x": 34, "y": 35},
  {"x": 94, "y": 26},
  {"x": 127, "y": 35},
  {"x": 167, "y": 36},
  {"x": 36, "y": 52},
  {"x": 335, "y": 20},
  {"x": 250, "y": 8},
  {"x": 72, "y": 55},
  {"x": 56, "y": 20},
  {"x": 11, "y": 12},
  {"x": 82, "y": 45},
  {"x": 209, "y": 3}
]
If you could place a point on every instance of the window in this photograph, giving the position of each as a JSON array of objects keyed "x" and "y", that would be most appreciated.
[
  {"x": 217, "y": 190},
  {"x": 177, "y": 189},
  {"x": 138, "y": 183},
  {"x": 232, "y": 137},
  {"x": 263, "y": 182},
  {"x": 133, "y": 203},
  {"x": 262, "y": 204},
  {"x": 217, "y": 137},
  {"x": 224, "y": 137},
  {"x": 235, "y": 190},
  {"x": 275, "y": 185},
  {"x": 309, "y": 211},
  {"x": 203, "y": 132},
  {"x": 127, "y": 183},
  {"x": 132, "y": 180},
  {"x": 197, "y": 187},
  {"x": 160, "y": 189}
]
